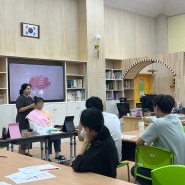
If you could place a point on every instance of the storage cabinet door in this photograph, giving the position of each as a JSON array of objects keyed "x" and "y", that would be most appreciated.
[{"x": 75, "y": 109}]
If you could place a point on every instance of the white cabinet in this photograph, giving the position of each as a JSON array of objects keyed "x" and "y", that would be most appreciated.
[
  {"x": 7, "y": 115},
  {"x": 75, "y": 109},
  {"x": 58, "y": 112}
]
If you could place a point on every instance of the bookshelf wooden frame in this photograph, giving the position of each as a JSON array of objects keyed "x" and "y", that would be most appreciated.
[{"x": 73, "y": 70}]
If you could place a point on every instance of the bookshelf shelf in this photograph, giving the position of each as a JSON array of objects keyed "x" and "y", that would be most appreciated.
[{"x": 75, "y": 75}]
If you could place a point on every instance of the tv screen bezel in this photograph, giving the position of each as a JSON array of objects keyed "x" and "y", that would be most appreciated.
[{"x": 37, "y": 62}]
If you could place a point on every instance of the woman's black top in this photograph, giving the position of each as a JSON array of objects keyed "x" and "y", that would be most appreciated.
[
  {"x": 23, "y": 101},
  {"x": 101, "y": 158}
]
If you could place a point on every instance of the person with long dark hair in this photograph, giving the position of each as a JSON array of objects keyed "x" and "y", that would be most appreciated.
[
  {"x": 98, "y": 153},
  {"x": 24, "y": 105}
]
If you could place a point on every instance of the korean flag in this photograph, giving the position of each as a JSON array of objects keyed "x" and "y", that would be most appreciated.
[{"x": 30, "y": 30}]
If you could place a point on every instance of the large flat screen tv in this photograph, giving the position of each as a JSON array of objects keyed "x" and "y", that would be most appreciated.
[{"x": 47, "y": 80}]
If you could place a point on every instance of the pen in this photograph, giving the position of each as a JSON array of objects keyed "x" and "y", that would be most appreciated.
[
  {"x": 3, "y": 156},
  {"x": 49, "y": 169}
]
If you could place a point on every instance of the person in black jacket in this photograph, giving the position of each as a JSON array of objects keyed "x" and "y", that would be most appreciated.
[{"x": 98, "y": 153}]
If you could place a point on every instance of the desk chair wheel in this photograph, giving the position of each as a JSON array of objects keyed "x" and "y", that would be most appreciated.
[{"x": 125, "y": 163}]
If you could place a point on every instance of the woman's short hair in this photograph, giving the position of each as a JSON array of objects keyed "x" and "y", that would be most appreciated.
[
  {"x": 23, "y": 87},
  {"x": 94, "y": 102},
  {"x": 165, "y": 103}
]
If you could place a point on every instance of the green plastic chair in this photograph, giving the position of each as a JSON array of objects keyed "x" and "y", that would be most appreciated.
[
  {"x": 168, "y": 175},
  {"x": 183, "y": 128},
  {"x": 151, "y": 157},
  {"x": 125, "y": 163}
]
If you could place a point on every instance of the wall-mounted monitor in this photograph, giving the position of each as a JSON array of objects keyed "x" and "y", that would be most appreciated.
[{"x": 46, "y": 78}]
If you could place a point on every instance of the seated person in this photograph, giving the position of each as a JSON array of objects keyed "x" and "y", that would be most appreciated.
[
  {"x": 44, "y": 119},
  {"x": 165, "y": 131},
  {"x": 98, "y": 153},
  {"x": 111, "y": 121}
]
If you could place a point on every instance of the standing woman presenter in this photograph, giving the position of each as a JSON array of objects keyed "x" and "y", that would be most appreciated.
[{"x": 24, "y": 105}]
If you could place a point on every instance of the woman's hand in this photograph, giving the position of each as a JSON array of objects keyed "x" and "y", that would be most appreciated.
[
  {"x": 88, "y": 138},
  {"x": 32, "y": 106}
]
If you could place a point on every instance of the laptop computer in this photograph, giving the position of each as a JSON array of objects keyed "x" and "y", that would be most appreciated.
[{"x": 68, "y": 125}]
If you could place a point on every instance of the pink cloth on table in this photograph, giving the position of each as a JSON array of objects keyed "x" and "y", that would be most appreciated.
[{"x": 39, "y": 117}]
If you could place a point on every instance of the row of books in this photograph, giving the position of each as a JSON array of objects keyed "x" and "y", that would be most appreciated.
[
  {"x": 109, "y": 85},
  {"x": 118, "y": 85},
  {"x": 76, "y": 95},
  {"x": 75, "y": 83},
  {"x": 114, "y": 96},
  {"x": 1, "y": 99},
  {"x": 114, "y": 86},
  {"x": 113, "y": 75},
  {"x": 128, "y": 84}
]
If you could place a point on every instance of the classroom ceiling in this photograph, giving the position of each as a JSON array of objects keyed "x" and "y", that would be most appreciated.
[{"x": 151, "y": 8}]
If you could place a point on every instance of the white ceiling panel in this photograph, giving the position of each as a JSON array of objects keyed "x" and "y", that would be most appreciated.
[{"x": 151, "y": 8}]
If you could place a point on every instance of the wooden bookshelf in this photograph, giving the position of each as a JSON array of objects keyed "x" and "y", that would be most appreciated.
[
  {"x": 74, "y": 70},
  {"x": 114, "y": 79}
]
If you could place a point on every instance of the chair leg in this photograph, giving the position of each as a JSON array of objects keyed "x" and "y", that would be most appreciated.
[{"x": 128, "y": 172}]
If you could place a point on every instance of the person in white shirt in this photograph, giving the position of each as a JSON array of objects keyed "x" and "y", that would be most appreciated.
[{"x": 111, "y": 121}]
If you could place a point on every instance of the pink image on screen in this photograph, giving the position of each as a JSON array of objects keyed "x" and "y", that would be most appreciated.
[{"x": 40, "y": 82}]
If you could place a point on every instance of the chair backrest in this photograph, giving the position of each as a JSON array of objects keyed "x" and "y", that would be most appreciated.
[
  {"x": 170, "y": 175},
  {"x": 184, "y": 128},
  {"x": 151, "y": 158}
]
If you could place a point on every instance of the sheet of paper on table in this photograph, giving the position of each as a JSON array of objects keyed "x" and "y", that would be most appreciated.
[
  {"x": 126, "y": 136},
  {"x": 4, "y": 183},
  {"x": 32, "y": 173},
  {"x": 33, "y": 169},
  {"x": 21, "y": 177}
]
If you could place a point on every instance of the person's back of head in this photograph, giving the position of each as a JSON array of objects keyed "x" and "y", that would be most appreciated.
[
  {"x": 94, "y": 102},
  {"x": 165, "y": 103},
  {"x": 92, "y": 118}
]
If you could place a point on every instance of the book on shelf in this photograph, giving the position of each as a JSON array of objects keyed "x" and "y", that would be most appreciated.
[
  {"x": 117, "y": 75},
  {"x": 127, "y": 84},
  {"x": 116, "y": 95},
  {"x": 1, "y": 98},
  {"x": 75, "y": 83},
  {"x": 109, "y": 96},
  {"x": 76, "y": 96},
  {"x": 109, "y": 85},
  {"x": 118, "y": 85},
  {"x": 108, "y": 75}
]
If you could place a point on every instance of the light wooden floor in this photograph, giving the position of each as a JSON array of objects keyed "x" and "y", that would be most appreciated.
[{"x": 121, "y": 172}]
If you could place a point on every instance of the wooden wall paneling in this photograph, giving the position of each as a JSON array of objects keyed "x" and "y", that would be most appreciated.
[
  {"x": 145, "y": 36},
  {"x": 9, "y": 26},
  {"x": 2, "y": 28},
  {"x": 28, "y": 16},
  {"x": 128, "y": 35},
  {"x": 82, "y": 30},
  {"x": 21, "y": 16},
  {"x": 57, "y": 33},
  {"x": 58, "y": 28}
]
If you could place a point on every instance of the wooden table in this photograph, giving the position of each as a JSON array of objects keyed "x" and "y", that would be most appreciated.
[
  {"x": 43, "y": 139},
  {"x": 64, "y": 176},
  {"x": 129, "y": 145}
]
